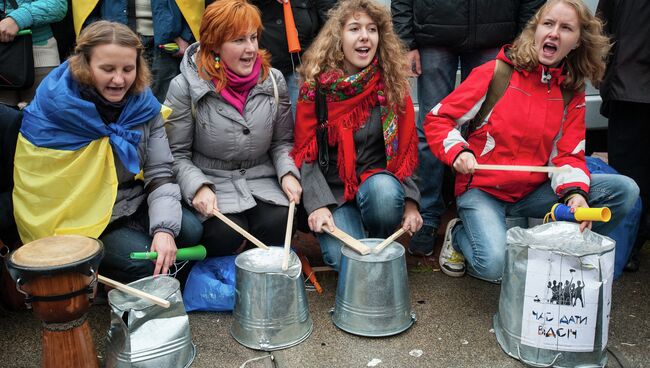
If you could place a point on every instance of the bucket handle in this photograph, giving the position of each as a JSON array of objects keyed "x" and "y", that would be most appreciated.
[{"x": 533, "y": 364}]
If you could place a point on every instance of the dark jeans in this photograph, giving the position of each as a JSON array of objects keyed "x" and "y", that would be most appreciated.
[
  {"x": 267, "y": 222},
  {"x": 629, "y": 128},
  {"x": 164, "y": 67},
  {"x": 132, "y": 235},
  {"x": 439, "y": 67}
]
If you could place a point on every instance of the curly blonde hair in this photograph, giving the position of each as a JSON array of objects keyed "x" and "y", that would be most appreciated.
[
  {"x": 587, "y": 61},
  {"x": 326, "y": 52},
  {"x": 104, "y": 32}
]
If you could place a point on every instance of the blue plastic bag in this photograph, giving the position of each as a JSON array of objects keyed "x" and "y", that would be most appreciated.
[
  {"x": 625, "y": 233},
  {"x": 211, "y": 285}
]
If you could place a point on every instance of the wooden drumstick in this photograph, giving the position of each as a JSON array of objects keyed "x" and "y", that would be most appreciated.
[
  {"x": 238, "y": 229},
  {"x": 388, "y": 240},
  {"x": 287, "y": 237},
  {"x": 133, "y": 291},
  {"x": 546, "y": 169},
  {"x": 348, "y": 240}
]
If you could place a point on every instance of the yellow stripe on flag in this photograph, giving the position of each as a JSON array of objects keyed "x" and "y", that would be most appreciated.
[
  {"x": 63, "y": 192},
  {"x": 81, "y": 9},
  {"x": 192, "y": 11}
]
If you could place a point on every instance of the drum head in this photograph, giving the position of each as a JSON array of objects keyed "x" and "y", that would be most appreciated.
[
  {"x": 55, "y": 254},
  {"x": 56, "y": 251}
]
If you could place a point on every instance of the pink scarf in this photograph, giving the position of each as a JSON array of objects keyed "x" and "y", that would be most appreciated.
[{"x": 238, "y": 87}]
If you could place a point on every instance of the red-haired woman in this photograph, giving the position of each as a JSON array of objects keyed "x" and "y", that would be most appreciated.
[{"x": 231, "y": 130}]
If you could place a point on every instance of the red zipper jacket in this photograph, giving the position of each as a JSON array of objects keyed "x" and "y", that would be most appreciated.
[{"x": 527, "y": 126}]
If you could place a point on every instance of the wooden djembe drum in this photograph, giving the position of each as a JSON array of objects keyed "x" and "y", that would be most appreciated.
[{"x": 57, "y": 275}]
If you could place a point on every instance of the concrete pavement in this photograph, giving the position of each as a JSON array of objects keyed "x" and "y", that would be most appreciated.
[{"x": 454, "y": 319}]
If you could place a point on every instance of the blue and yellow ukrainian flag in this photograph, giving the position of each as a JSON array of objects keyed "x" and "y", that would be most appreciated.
[{"x": 65, "y": 180}]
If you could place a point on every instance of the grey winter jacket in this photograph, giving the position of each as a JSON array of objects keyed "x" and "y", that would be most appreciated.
[
  {"x": 242, "y": 158},
  {"x": 164, "y": 198}
]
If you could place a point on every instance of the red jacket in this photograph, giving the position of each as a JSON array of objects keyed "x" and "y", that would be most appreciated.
[{"x": 525, "y": 127}]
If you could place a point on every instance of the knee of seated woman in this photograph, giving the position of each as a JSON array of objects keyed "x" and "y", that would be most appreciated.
[{"x": 382, "y": 188}]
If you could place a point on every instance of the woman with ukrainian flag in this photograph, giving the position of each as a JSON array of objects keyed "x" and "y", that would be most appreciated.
[{"x": 93, "y": 158}]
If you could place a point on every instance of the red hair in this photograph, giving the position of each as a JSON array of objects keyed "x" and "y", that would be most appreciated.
[{"x": 223, "y": 21}]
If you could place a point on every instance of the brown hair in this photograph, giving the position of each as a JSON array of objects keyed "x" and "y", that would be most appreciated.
[
  {"x": 326, "y": 52},
  {"x": 587, "y": 61},
  {"x": 223, "y": 21},
  {"x": 104, "y": 33}
]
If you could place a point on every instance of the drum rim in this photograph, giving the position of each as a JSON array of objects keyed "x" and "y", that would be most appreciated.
[{"x": 98, "y": 254}]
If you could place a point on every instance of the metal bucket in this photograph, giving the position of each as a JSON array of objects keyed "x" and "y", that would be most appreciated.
[
  {"x": 538, "y": 321},
  {"x": 372, "y": 296},
  {"x": 271, "y": 310},
  {"x": 143, "y": 334}
]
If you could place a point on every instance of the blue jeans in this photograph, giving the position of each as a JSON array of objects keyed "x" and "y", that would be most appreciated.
[
  {"x": 438, "y": 78},
  {"x": 292, "y": 84},
  {"x": 378, "y": 207},
  {"x": 481, "y": 236},
  {"x": 121, "y": 241}
]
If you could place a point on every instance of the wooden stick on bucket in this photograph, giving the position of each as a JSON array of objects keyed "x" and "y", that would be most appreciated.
[
  {"x": 133, "y": 291},
  {"x": 287, "y": 237},
  {"x": 388, "y": 240},
  {"x": 348, "y": 240},
  {"x": 238, "y": 229},
  {"x": 546, "y": 169}
]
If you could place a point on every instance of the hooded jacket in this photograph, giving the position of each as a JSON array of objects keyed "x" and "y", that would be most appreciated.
[{"x": 241, "y": 157}]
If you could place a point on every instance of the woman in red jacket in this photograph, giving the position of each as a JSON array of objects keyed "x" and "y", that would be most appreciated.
[{"x": 560, "y": 48}]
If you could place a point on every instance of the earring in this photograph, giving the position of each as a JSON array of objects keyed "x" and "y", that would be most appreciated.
[{"x": 217, "y": 65}]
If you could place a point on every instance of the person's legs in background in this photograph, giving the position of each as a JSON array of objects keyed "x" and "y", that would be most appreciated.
[
  {"x": 292, "y": 84},
  {"x": 164, "y": 67},
  {"x": 470, "y": 60},
  {"x": 439, "y": 66},
  {"x": 628, "y": 127}
]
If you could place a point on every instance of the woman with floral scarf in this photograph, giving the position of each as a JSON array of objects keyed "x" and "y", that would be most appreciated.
[{"x": 361, "y": 180}]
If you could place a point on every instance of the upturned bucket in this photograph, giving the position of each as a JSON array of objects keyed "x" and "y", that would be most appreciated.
[
  {"x": 271, "y": 310},
  {"x": 372, "y": 295},
  {"x": 146, "y": 335}
]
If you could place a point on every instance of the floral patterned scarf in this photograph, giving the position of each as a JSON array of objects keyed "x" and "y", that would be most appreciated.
[{"x": 350, "y": 100}]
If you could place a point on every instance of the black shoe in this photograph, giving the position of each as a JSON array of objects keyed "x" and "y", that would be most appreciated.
[{"x": 422, "y": 241}]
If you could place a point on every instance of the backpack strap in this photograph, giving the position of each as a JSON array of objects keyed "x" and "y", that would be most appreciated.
[{"x": 496, "y": 89}]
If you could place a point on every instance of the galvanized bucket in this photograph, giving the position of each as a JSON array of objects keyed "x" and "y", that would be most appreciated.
[
  {"x": 146, "y": 335},
  {"x": 556, "y": 296},
  {"x": 271, "y": 310},
  {"x": 372, "y": 296}
]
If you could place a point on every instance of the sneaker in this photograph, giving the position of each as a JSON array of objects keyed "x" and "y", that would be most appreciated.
[
  {"x": 422, "y": 241},
  {"x": 452, "y": 263}
]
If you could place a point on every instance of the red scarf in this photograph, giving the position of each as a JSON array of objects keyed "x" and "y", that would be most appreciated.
[{"x": 349, "y": 103}]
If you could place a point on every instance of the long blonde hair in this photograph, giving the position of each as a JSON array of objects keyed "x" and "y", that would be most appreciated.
[
  {"x": 587, "y": 61},
  {"x": 326, "y": 52}
]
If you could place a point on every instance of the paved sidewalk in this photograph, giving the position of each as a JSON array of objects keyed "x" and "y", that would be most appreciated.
[{"x": 454, "y": 319}]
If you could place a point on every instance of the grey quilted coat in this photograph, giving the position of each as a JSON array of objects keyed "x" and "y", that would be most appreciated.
[{"x": 242, "y": 158}]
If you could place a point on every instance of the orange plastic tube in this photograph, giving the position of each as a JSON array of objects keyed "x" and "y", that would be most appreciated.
[
  {"x": 309, "y": 272},
  {"x": 290, "y": 27}
]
